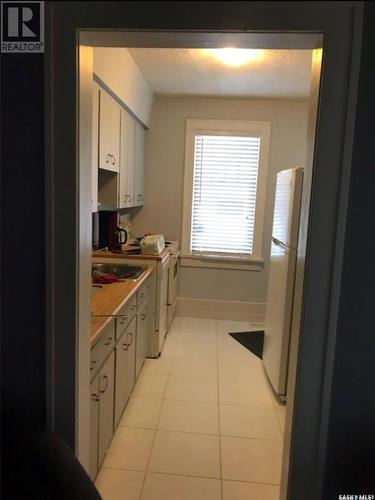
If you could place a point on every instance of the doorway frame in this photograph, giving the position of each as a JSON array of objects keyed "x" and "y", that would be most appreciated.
[{"x": 340, "y": 23}]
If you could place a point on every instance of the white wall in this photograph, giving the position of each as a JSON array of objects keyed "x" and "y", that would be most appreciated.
[
  {"x": 164, "y": 161},
  {"x": 116, "y": 68}
]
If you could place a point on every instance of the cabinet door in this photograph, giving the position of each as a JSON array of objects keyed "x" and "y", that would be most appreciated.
[
  {"x": 143, "y": 331},
  {"x": 94, "y": 426},
  {"x": 126, "y": 191},
  {"x": 95, "y": 147},
  {"x": 139, "y": 148},
  {"x": 106, "y": 396},
  {"x": 130, "y": 341},
  {"x": 109, "y": 133},
  {"x": 122, "y": 389}
]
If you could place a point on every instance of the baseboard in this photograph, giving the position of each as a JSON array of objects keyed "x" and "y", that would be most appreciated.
[{"x": 221, "y": 309}]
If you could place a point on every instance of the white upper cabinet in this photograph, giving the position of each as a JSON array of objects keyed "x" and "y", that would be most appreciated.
[
  {"x": 95, "y": 147},
  {"x": 139, "y": 148},
  {"x": 126, "y": 188},
  {"x": 117, "y": 154},
  {"x": 109, "y": 133}
]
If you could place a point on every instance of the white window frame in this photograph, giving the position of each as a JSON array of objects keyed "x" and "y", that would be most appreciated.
[{"x": 195, "y": 127}]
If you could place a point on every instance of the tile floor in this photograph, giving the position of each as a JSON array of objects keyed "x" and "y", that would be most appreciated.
[{"x": 201, "y": 424}]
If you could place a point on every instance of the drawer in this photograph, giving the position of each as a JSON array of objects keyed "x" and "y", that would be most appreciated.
[
  {"x": 144, "y": 291},
  {"x": 102, "y": 349},
  {"x": 125, "y": 315}
]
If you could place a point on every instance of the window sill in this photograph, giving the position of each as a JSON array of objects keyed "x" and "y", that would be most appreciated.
[{"x": 217, "y": 262}]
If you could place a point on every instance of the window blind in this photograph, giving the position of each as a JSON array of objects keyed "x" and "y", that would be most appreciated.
[{"x": 224, "y": 194}]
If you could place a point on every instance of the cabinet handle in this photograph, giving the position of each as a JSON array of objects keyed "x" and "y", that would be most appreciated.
[
  {"x": 110, "y": 339},
  {"x": 125, "y": 347},
  {"x": 133, "y": 307},
  {"x": 106, "y": 384},
  {"x": 143, "y": 317},
  {"x": 93, "y": 362},
  {"x": 94, "y": 397},
  {"x": 132, "y": 338},
  {"x": 124, "y": 319},
  {"x": 110, "y": 157}
]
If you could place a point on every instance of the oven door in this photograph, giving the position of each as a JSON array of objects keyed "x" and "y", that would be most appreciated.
[{"x": 174, "y": 271}]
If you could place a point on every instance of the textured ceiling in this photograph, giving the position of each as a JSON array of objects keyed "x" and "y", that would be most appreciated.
[{"x": 275, "y": 73}]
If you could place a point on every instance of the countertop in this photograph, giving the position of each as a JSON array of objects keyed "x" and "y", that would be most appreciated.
[
  {"x": 140, "y": 256},
  {"x": 109, "y": 299}
]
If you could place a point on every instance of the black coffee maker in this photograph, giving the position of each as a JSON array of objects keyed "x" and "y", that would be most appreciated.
[{"x": 106, "y": 231}]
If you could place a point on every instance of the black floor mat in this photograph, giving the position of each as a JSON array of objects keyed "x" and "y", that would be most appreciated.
[{"x": 251, "y": 340}]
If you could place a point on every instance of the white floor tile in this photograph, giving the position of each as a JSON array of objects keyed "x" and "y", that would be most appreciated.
[
  {"x": 252, "y": 393},
  {"x": 236, "y": 490},
  {"x": 241, "y": 370},
  {"x": 150, "y": 386},
  {"x": 186, "y": 416},
  {"x": 249, "y": 422},
  {"x": 186, "y": 454},
  {"x": 159, "y": 366},
  {"x": 205, "y": 349},
  {"x": 130, "y": 449},
  {"x": 116, "y": 484},
  {"x": 168, "y": 487},
  {"x": 189, "y": 389},
  {"x": 253, "y": 460},
  {"x": 198, "y": 324},
  {"x": 141, "y": 412},
  {"x": 226, "y": 326},
  {"x": 194, "y": 366},
  {"x": 169, "y": 436}
]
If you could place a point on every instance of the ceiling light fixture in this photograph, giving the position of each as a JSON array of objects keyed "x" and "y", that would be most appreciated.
[{"x": 235, "y": 57}]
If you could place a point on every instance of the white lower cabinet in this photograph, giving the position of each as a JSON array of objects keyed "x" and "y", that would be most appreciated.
[
  {"x": 125, "y": 370},
  {"x": 101, "y": 413},
  {"x": 143, "y": 331},
  {"x": 94, "y": 426},
  {"x": 116, "y": 360},
  {"x": 106, "y": 394}
]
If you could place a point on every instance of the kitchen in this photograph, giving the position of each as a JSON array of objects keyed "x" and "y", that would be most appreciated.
[{"x": 187, "y": 302}]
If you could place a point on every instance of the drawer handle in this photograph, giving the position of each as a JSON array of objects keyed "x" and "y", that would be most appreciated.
[
  {"x": 106, "y": 384},
  {"x": 94, "y": 397},
  {"x": 143, "y": 317},
  {"x": 125, "y": 347},
  {"x": 142, "y": 294},
  {"x": 110, "y": 339},
  {"x": 133, "y": 307}
]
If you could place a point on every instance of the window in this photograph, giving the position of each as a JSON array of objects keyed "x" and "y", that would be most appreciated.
[{"x": 224, "y": 190}]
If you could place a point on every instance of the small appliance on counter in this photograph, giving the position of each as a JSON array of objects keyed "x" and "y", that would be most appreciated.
[
  {"x": 152, "y": 244},
  {"x": 106, "y": 231}
]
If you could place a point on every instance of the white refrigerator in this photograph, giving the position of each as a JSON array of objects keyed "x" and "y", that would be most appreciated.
[{"x": 281, "y": 277}]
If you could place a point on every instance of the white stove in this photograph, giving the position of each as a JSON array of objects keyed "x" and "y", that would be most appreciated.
[{"x": 173, "y": 278}]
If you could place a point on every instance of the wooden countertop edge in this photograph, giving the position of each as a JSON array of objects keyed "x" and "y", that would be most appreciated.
[
  {"x": 104, "y": 320},
  {"x": 150, "y": 256}
]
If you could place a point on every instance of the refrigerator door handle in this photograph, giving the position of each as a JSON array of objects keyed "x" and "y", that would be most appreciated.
[{"x": 279, "y": 243}]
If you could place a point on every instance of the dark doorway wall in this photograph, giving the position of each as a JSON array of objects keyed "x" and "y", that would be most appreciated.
[
  {"x": 350, "y": 467},
  {"x": 23, "y": 334}
]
